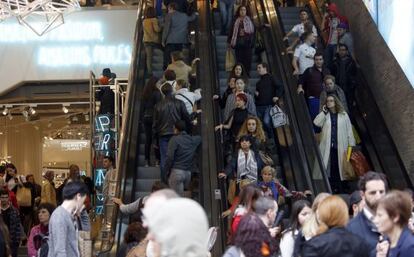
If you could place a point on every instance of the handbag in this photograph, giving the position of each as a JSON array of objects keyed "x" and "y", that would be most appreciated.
[
  {"x": 230, "y": 59},
  {"x": 347, "y": 169},
  {"x": 24, "y": 196},
  {"x": 359, "y": 163},
  {"x": 279, "y": 118},
  {"x": 231, "y": 192}
]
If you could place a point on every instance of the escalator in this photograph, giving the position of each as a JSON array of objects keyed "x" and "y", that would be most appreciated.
[{"x": 377, "y": 143}]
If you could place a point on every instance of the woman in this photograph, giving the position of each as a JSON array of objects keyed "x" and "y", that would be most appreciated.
[
  {"x": 301, "y": 211},
  {"x": 12, "y": 179},
  {"x": 332, "y": 239},
  {"x": 241, "y": 37},
  {"x": 151, "y": 36},
  {"x": 150, "y": 97},
  {"x": 135, "y": 240},
  {"x": 231, "y": 87},
  {"x": 237, "y": 117},
  {"x": 252, "y": 127},
  {"x": 40, "y": 231},
  {"x": 336, "y": 137},
  {"x": 252, "y": 239},
  {"x": 230, "y": 103},
  {"x": 239, "y": 71},
  {"x": 391, "y": 219}
]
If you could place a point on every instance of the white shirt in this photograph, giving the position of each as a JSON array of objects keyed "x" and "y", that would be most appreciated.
[
  {"x": 305, "y": 54},
  {"x": 287, "y": 243},
  {"x": 333, "y": 33},
  {"x": 299, "y": 29},
  {"x": 186, "y": 96}
]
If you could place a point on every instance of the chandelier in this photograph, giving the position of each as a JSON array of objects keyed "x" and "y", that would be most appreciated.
[{"x": 41, "y": 16}]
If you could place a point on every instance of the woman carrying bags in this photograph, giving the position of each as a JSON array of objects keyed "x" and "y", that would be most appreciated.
[{"x": 336, "y": 137}]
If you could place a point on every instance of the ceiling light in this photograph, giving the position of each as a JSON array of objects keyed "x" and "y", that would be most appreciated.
[
  {"x": 75, "y": 118},
  {"x": 86, "y": 117},
  {"x": 1, "y": 132},
  {"x": 25, "y": 113},
  {"x": 49, "y": 124},
  {"x": 10, "y": 116},
  {"x": 65, "y": 109},
  {"x": 36, "y": 127},
  {"x": 5, "y": 111},
  {"x": 32, "y": 111}
]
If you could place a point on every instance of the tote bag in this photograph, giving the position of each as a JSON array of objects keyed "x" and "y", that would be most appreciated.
[{"x": 230, "y": 59}]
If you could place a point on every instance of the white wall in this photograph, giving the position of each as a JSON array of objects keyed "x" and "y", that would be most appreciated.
[{"x": 89, "y": 40}]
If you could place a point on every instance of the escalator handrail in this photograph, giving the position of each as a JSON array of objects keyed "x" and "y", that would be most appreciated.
[
  {"x": 126, "y": 162},
  {"x": 363, "y": 85},
  {"x": 298, "y": 104}
]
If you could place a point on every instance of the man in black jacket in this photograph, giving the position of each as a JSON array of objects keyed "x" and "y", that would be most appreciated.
[
  {"x": 344, "y": 69},
  {"x": 181, "y": 150},
  {"x": 268, "y": 92},
  {"x": 166, "y": 113}
]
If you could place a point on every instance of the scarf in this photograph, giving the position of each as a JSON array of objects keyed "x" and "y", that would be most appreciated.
[
  {"x": 248, "y": 28},
  {"x": 272, "y": 186},
  {"x": 246, "y": 166}
]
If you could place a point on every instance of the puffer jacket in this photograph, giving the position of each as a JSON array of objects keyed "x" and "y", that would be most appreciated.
[{"x": 166, "y": 114}]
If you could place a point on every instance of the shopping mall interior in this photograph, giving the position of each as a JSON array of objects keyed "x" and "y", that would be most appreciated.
[{"x": 74, "y": 91}]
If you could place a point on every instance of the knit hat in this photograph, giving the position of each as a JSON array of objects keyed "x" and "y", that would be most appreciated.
[
  {"x": 242, "y": 97},
  {"x": 180, "y": 227},
  {"x": 106, "y": 72}
]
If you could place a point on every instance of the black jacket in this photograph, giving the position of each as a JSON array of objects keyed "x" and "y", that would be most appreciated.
[
  {"x": 267, "y": 88},
  {"x": 181, "y": 150},
  {"x": 107, "y": 98},
  {"x": 182, "y": 5},
  {"x": 366, "y": 230},
  {"x": 166, "y": 114},
  {"x": 334, "y": 243},
  {"x": 344, "y": 71}
]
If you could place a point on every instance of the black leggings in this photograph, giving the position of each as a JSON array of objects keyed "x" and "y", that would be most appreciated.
[
  {"x": 244, "y": 55},
  {"x": 148, "y": 139}
]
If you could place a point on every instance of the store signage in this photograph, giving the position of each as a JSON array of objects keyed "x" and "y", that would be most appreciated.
[{"x": 73, "y": 145}]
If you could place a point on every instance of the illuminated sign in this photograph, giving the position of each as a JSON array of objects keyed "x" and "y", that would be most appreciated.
[{"x": 74, "y": 145}]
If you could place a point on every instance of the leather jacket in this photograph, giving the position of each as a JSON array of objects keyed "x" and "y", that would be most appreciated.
[{"x": 166, "y": 114}]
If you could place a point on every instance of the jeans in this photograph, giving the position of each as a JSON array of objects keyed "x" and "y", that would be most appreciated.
[
  {"x": 163, "y": 156},
  {"x": 226, "y": 11},
  {"x": 158, "y": 8},
  {"x": 169, "y": 48},
  {"x": 178, "y": 180},
  {"x": 313, "y": 106},
  {"x": 263, "y": 113},
  {"x": 149, "y": 51},
  {"x": 329, "y": 54}
]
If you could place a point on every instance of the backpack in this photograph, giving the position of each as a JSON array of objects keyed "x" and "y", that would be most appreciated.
[{"x": 44, "y": 245}]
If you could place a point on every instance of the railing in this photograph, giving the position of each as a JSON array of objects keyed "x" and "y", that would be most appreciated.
[{"x": 308, "y": 149}]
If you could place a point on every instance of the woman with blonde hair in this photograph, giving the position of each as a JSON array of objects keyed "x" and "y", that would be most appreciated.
[
  {"x": 253, "y": 127},
  {"x": 332, "y": 239},
  {"x": 336, "y": 137}
]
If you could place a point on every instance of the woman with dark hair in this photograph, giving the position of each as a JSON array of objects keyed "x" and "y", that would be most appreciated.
[
  {"x": 231, "y": 87},
  {"x": 135, "y": 240},
  {"x": 336, "y": 137},
  {"x": 39, "y": 232},
  {"x": 252, "y": 239},
  {"x": 241, "y": 37},
  {"x": 391, "y": 219},
  {"x": 151, "y": 35},
  {"x": 301, "y": 211},
  {"x": 12, "y": 179},
  {"x": 150, "y": 97},
  {"x": 239, "y": 71}
]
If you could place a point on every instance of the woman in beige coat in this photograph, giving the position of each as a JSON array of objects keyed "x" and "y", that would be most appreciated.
[
  {"x": 336, "y": 136},
  {"x": 151, "y": 36}
]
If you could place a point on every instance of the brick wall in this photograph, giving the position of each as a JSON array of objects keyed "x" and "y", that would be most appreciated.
[{"x": 391, "y": 88}]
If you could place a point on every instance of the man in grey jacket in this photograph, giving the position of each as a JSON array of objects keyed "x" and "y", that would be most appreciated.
[
  {"x": 181, "y": 150},
  {"x": 63, "y": 224},
  {"x": 175, "y": 32}
]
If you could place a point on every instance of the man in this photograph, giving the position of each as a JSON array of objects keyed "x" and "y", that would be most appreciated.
[
  {"x": 330, "y": 88},
  {"x": 266, "y": 208},
  {"x": 373, "y": 187},
  {"x": 300, "y": 28},
  {"x": 303, "y": 57},
  {"x": 268, "y": 92},
  {"x": 11, "y": 219},
  {"x": 186, "y": 96},
  {"x": 181, "y": 69},
  {"x": 110, "y": 178},
  {"x": 48, "y": 194},
  {"x": 63, "y": 224},
  {"x": 74, "y": 175},
  {"x": 181, "y": 150},
  {"x": 345, "y": 37},
  {"x": 226, "y": 13},
  {"x": 356, "y": 204},
  {"x": 105, "y": 94},
  {"x": 175, "y": 32},
  {"x": 344, "y": 69},
  {"x": 182, "y": 5},
  {"x": 311, "y": 84},
  {"x": 166, "y": 113},
  {"x": 178, "y": 229}
]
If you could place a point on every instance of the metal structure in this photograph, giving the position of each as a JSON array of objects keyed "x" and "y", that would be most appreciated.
[
  {"x": 41, "y": 16},
  {"x": 113, "y": 126}
]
